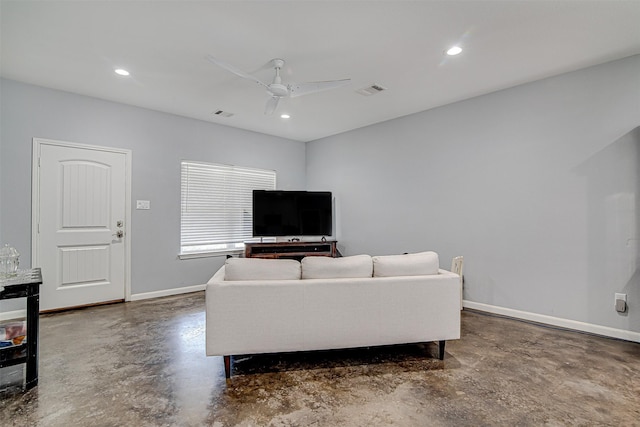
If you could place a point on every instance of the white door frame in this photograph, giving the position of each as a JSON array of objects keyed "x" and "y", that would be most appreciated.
[{"x": 35, "y": 201}]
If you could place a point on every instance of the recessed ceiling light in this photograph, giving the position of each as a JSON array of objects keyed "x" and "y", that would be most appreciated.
[
  {"x": 454, "y": 50},
  {"x": 121, "y": 71},
  {"x": 285, "y": 116}
]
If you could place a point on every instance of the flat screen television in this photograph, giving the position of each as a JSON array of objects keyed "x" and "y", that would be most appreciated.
[{"x": 291, "y": 213}]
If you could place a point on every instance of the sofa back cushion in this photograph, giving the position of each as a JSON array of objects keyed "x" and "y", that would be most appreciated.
[
  {"x": 320, "y": 267},
  {"x": 261, "y": 269},
  {"x": 417, "y": 264}
]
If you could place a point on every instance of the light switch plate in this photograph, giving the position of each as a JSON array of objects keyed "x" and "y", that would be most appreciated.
[{"x": 143, "y": 204}]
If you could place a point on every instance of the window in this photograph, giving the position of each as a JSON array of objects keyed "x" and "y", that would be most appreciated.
[{"x": 216, "y": 200}]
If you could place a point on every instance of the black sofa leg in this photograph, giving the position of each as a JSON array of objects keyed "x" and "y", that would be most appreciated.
[
  {"x": 441, "y": 350},
  {"x": 227, "y": 366}
]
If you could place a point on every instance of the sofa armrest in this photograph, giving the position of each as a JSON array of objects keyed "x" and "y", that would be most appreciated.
[
  {"x": 218, "y": 276},
  {"x": 449, "y": 273}
]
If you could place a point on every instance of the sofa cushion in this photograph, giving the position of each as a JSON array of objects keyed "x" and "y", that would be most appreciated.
[
  {"x": 417, "y": 264},
  {"x": 320, "y": 267},
  {"x": 261, "y": 269}
]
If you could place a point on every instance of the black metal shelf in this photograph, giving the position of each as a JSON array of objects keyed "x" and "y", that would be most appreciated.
[
  {"x": 24, "y": 285},
  {"x": 13, "y": 355}
]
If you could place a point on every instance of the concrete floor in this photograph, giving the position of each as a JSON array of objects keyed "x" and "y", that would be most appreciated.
[{"x": 143, "y": 364}]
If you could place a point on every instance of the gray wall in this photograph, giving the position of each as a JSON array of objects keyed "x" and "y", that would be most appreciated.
[
  {"x": 158, "y": 141},
  {"x": 537, "y": 186}
]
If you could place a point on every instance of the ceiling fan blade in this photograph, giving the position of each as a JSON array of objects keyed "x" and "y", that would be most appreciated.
[
  {"x": 272, "y": 104},
  {"x": 266, "y": 66},
  {"x": 299, "y": 89},
  {"x": 234, "y": 70}
]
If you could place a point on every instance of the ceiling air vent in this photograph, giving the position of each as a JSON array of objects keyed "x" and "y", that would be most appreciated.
[
  {"x": 222, "y": 113},
  {"x": 371, "y": 90}
]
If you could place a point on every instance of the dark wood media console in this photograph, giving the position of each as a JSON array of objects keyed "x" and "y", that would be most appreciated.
[{"x": 292, "y": 250}]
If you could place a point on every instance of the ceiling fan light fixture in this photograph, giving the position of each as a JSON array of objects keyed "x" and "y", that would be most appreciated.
[
  {"x": 454, "y": 50},
  {"x": 276, "y": 89},
  {"x": 121, "y": 72}
]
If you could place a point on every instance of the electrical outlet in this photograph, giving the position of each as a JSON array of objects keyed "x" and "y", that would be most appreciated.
[{"x": 621, "y": 302}]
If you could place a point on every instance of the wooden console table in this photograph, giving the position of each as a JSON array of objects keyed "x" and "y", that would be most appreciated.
[
  {"x": 291, "y": 250},
  {"x": 24, "y": 285}
]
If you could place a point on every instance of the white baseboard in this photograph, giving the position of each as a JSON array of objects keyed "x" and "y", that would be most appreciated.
[
  {"x": 16, "y": 314},
  {"x": 555, "y": 321},
  {"x": 167, "y": 292}
]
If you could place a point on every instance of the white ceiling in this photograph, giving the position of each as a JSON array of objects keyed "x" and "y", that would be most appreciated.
[{"x": 75, "y": 45}]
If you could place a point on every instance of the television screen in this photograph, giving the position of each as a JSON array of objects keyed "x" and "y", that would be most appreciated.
[{"x": 291, "y": 213}]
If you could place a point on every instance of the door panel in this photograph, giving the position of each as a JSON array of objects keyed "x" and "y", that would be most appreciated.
[
  {"x": 82, "y": 206},
  {"x": 86, "y": 195},
  {"x": 81, "y": 266}
]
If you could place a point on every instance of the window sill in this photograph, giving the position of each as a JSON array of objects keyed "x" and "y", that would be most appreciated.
[{"x": 193, "y": 255}]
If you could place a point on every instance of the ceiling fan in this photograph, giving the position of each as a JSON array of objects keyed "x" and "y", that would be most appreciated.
[{"x": 276, "y": 89}]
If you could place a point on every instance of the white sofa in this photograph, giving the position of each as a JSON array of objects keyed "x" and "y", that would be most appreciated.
[{"x": 278, "y": 305}]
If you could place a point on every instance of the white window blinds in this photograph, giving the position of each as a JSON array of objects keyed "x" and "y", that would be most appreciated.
[{"x": 216, "y": 205}]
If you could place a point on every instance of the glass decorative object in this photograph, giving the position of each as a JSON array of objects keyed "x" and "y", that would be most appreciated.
[{"x": 9, "y": 261}]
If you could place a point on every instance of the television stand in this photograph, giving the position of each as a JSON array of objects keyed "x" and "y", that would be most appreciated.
[{"x": 290, "y": 250}]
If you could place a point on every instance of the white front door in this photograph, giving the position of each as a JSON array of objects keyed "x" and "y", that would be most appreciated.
[{"x": 80, "y": 223}]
